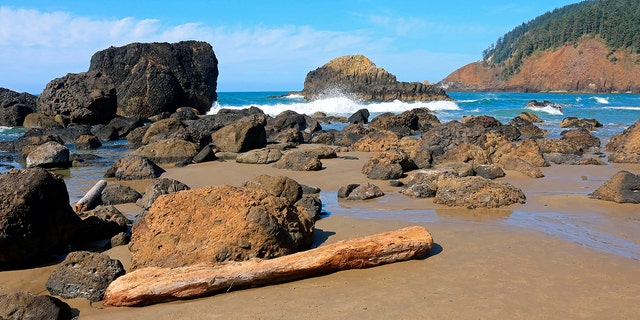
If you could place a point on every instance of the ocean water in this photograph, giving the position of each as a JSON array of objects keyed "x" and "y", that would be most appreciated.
[{"x": 615, "y": 111}]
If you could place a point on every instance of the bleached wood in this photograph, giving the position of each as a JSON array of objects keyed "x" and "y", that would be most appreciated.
[
  {"x": 91, "y": 198},
  {"x": 154, "y": 285}
]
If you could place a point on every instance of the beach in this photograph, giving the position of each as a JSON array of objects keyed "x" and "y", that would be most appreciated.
[{"x": 561, "y": 255}]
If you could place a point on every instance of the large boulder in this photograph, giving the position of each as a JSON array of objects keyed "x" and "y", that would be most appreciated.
[
  {"x": 526, "y": 149},
  {"x": 215, "y": 224},
  {"x": 40, "y": 121},
  {"x": 623, "y": 187},
  {"x": 168, "y": 151},
  {"x": 14, "y": 107},
  {"x": 387, "y": 165},
  {"x": 36, "y": 219},
  {"x": 475, "y": 192},
  {"x": 84, "y": 274},
  {"x": 359, "y": 76},
  {"x": 377, "y": 141},
  {"x": 582, "y": 138},
  {"x": 247, "y": 134},
  {"x": 133, "y": 167},
  {"x": 151, "y": 78},
  {"x": 280, "y": 186},
  {"x": 440, "y": 139},
  {"x": 298, "y": 161},
  {"x": 22, "y": 305},
  {"x": 49, "y": 155},
  {"x": 625, "y": 146},
  {"x": 84, "y": 98},
  {"x": 162, "y": 129}
]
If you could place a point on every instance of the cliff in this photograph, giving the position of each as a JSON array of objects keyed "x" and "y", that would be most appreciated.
[
  {"x": 358, "y": 76},
  {"x": 586, "y": 66}
]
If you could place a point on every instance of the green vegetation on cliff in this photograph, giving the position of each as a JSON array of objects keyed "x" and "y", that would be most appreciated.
[{"x": 617, "y": 22}]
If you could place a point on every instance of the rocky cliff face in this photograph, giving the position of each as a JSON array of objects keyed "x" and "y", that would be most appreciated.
[
  {"x": 357, "y": 75},
  {"x": 588, "y": 66}
]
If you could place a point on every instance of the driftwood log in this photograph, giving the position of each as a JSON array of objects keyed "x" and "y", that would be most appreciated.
[
  {"x": 91, "y": 198},
  {"x": 154, "y": 285}
]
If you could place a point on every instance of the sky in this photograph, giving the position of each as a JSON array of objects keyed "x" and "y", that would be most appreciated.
[{"x": 260, "y": 45}]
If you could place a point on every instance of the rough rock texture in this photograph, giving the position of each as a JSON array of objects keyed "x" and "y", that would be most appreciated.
[
  {"x": 132, "y": 167},
  {"x": 117, "y": 194},
  {"x": 101, "y": 223},
  {"x": 475, "y": 192},
  {"x": 387, "y": 165},
  {"x": 84, "y": 274},
  {"x": 623, "y": 187},
  {"x": 489, "y": 171},
  {"x": 162, "y": 129},
  {"x": 377, "y": 141},
  {"x": 87, "y": 142},
  {"x": 298, "y": 161},
  {"x": 23, "y": 305},
  {"x": 360, "y": 116},
  {"x": 14, "y": 107},
  {"x": 357, "y": 75},
  {"x": 424, "y": 183},
  {"x": 40, "y": 121},
  {"x": 321, "y": 152},
  {"x": 159, "y": 187},
  {"x": 440, "y": 139},
  {"x": 527, "y": 128},
  {"x": 215, "y": 224},
  {"x": 35, "y": 216},
  {"x": 550, "y": 145},
  {"x": 49, "y": 155},
  {"x": 464, "y": 152},
  {"x": 582, "y": 138},
  {"x": 259, "y": 156},
  {"x": 365, "y": 191},
  {"x": 525, "y": 149},
  {"x": 242, "y": 136},
  {"x": 168, "y": 151},
  {"x": 625, "y": 146},
  {"x": 583, "y": 67},
  {"x": 151, "y": 78},
  {"x": 530, "y": 117},
  {"x": 588, "y": 124},
  {"x": 84, "y": 98},
  {"x": 521, "y": 165},
  {"x": 279, "y": 186}
]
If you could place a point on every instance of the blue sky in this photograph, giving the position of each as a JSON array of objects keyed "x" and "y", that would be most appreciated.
[{"x": 260, "y": 45}]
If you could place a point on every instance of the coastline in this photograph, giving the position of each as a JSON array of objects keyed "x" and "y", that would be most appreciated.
[{"x": 483, "y": 264}]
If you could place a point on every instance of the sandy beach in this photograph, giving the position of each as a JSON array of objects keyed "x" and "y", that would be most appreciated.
[{"x": 561, "y": 255}]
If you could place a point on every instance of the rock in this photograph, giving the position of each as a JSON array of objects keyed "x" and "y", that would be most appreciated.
[
  {"x": 206, "y": 154},
  {"x": 242, "y": 136},
  {"x": 365, "y": 191},
  {"x": 588, "y": 124},
  {"x": 39, "y": 121},
  {"x": 387, "y": 165},
  {"x": 378, "y": 141},
  {"x": 162, "y": 129},
  {"x": 345, "y": 190},
  {"x": 49, "y": 155},
  {"x": 183, "y": 114},
  {"x": 298, "y": 161},
  {"x": 120, "y": 239},
  {"x": 124, "y": 125},
  {"x": 101, "y": 223},
  {"x": 535, "y": 104},
  {"x": 321, "y": 152},
  {"x": 279, "y": 186},
  {"x": 310, "y": 205},
  {"x": 489, "y": 171},
  {"x": 403, "y": 124},
  {"x": 84, "y": 274},
  {"x": 424, "y": 183},
  {"x": 226, "y": 117},
  {"x": 465, "y": 152},
  {"x": 87, "y": 142},
  {"x": 527, "y": 128},
  {"x": 293, "y": 137},
  {"x": 525, "y": 149},
  {"x": 151, "y": 78},
  {"x": 486, "y": 122},
  {"x": 476, "y": 192},
  {"x": 521, "y": 165},
  {"x": 116, "y": 194},
  {"x": 133, "y": 167},
  {"x": 570, "y": 159},
  {"x": 585, "y": 140},
  {"x": 14, "y": 107},
  {"x": 310, "y": 189},
  {"x": 36, "y": 219},
  {"x": 625, "y": 146},
  {"x": 105, "y": 133},
  {"x": 83, "y": 98},
  {"x": 259, "y": 156},
  {"x": 530, "y": 117},
  {"x": 550, "y": 145},
  {"x": 215, "y": 224},
  {"x": 360, "y": 116},
  {"x": 623, "y": 187},
  {"x": 461, "y": 169},
  {"x": 134, "y": 138},
  {"x": 159, "y": 187},
  {"x": 292, "y": 120},
  {"x": 357, "y": 75},
  {"x": 168, "y": 151},
  {"x": 440, "y": 139},
  {"x": 23, "y": 305}
]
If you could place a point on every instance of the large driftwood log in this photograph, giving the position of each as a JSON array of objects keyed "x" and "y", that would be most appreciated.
[
  {"x": 91, "y": 198},
  {"x": 153, "y": 285}
]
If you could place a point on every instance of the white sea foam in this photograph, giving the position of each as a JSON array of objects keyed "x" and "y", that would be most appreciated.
[
  {"x": 547, "y": 109},
  {"x": 601, "y": 100},
  {"x": 623, "y": 108},
  {"x": 294, "y": 96},
  {"x": 342, "y": 106},
  {"x": 3, "y": 128}
]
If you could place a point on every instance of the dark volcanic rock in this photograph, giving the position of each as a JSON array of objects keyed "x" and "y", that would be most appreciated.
[
  {"x": 242, "y": 136},
  {"x": 132, "y": 167},
  {"x": 623, "y": 187},
  {"x": 117, "y": 194},
  {"x": 151, "y": 78},
  {"x": 23, "y": 305},
  {"x": 360, "y": 116},
  {"x": 280, "y": 186},
  {"x": 36, "y": 219},
  {"x": 387, "y": 165},
  {"x": 168, "y": 151},
  {"x": 85, "y": 275},
  {"x": 159, "y": 187},
  {"x": 357, "y": 75},
  {"x": 365, "y": 191},
  {"x": 625, "y": 146},
  {"x": 84, "y": 98},
  {"x": 14, "y": 107},
  {"x": 588, "y": 124},
  {"x": 87, "y": 142},
  {"x": 40, "y": 121},
  {"x": 298, "y": 161},
  {"x": 101, "y": 223}
]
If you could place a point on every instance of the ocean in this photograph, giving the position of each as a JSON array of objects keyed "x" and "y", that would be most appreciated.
[{"x": 615, "y": 111}]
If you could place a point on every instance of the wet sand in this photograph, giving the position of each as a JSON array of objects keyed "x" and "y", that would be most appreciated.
[{"x": 561, "y": 255}]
